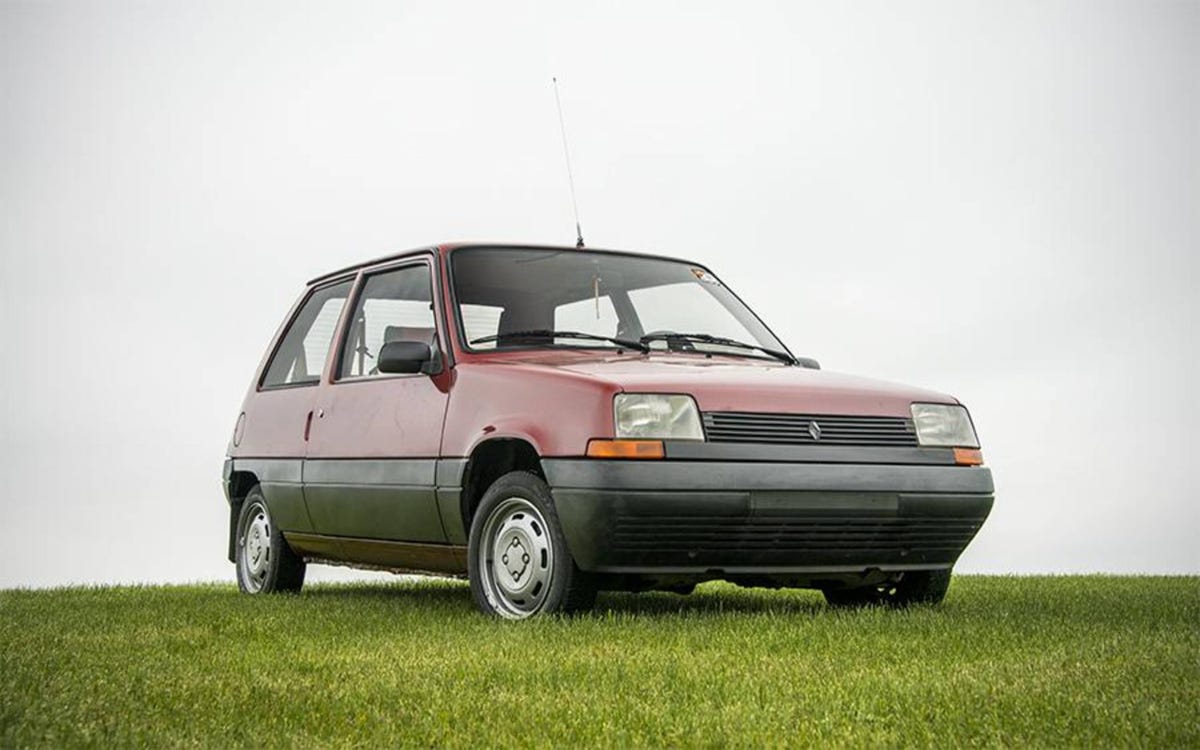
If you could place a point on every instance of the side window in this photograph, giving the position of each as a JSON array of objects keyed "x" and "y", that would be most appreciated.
[
  {"x": 595, "y": 315},
  {"x": 394, "y": 306},
  {"x": 300, "y": 358}
]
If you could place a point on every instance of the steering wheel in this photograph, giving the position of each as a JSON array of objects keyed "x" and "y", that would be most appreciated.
[{"x": 675, "y": 345}]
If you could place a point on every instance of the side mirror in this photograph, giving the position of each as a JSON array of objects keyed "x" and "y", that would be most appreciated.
[
  {"x": 808, "y": 362},
  {"x": 405, "y": 357}
]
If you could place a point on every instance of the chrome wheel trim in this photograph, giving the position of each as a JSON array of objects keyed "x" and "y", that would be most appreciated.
[
  {"x": 516, "y": 558},
  {"x": 254, "y": 562}
]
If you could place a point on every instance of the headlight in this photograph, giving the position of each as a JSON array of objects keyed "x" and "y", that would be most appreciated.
[
  {"x": 657, "y": 417},
  {"x": 943, "y": 425}
]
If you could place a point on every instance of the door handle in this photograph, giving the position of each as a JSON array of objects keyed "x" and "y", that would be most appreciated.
[{"x": 307, "y": 426}]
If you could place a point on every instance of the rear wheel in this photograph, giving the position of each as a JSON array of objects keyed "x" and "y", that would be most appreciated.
[
  {"x": 265, "y": 562},
  {"x": 518, "y": 560},
  {"x": 913, "y": 587}
]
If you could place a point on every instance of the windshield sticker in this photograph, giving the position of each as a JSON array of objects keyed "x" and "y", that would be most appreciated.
[{"x": 705, "y": 276}]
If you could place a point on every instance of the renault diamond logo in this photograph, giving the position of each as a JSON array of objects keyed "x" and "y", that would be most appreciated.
[{"x": 814, "y": 430}]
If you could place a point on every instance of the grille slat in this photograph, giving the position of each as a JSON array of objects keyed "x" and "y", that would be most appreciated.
[
  {"x": 831, "y": 534},
  {"x": 794, "y": 429}
]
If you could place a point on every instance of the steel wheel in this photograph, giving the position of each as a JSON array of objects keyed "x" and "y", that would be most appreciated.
[
  {"x": 265, "y": 563},
  {"x": 516, "y": 558},
  {"x": 255, "y": 557}
]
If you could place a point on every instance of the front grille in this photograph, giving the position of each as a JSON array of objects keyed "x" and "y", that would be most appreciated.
[
  {"x": 796, "y": 429},
  {"x": 829, "y": 534}
]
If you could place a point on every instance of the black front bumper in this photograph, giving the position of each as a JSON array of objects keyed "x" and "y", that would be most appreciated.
[{"x": 714, "y": 518}]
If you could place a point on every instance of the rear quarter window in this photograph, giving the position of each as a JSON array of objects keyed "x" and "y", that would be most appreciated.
[{"x": 301, "y": 355}]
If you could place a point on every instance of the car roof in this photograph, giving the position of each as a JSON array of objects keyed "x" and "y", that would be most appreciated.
[{"x": 450, "y": 246}]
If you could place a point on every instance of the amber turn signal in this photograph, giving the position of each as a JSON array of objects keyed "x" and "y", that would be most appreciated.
[
  {"x": 968, "y": 456},
  {"x": 625, "y": 449}
]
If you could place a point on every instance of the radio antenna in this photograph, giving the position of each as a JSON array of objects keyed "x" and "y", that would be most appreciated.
[{"x": 567, "y": 153}]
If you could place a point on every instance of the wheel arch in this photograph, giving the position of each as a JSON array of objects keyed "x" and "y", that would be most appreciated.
[
  {"x": 240, "y": 484},
  {"x": 491, "y": 459}
]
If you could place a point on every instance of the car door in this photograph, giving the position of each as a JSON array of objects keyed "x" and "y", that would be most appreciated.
[
  {"x": 372, "y": 453},
  {"x": 274, "y": 426}
]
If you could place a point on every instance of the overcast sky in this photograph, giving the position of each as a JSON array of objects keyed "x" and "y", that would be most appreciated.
[{"x": 997, "y": 200}]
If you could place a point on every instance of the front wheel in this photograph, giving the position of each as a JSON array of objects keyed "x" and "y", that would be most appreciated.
[
  {"x": 265, "y": 562},
  {"x": 914, "y": 587},
  {"x": 518, "y": 561}
]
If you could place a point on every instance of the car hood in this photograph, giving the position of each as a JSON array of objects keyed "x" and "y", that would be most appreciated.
[{"x": 724, "y": 383}]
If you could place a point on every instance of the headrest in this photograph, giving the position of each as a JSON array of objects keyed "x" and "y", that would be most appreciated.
[
  {"x": 525, "y": 318},
  {"x": 408, "y": 333}
]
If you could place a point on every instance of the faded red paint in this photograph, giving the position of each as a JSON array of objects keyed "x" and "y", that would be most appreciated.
[{"x": 555, "y": 399}]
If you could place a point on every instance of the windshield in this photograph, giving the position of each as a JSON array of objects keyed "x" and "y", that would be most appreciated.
[{"x": 514, "y": 298}]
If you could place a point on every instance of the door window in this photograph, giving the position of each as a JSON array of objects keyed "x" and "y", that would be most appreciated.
[
  {"x": 300, "y": 357},
  {"x": 394, "y": 306}
]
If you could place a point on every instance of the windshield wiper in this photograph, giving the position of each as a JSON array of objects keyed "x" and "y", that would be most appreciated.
[
  {"x": 545, "y": 333},
  {"x": 720, "y": 341}
]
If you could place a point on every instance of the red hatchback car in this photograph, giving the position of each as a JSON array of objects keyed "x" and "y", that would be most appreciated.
[{"x": 554, "y": 421}]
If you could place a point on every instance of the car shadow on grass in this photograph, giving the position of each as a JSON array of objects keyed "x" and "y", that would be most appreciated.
[
  {"x": 724, "y": 600},
  {"x": 418, "y": 590},
  {"x": 710, "y": 599}
]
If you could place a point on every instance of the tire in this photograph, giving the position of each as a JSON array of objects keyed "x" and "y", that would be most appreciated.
[
  {"x": 518, "y": 560},
  {"x": 265, "y": 562},
  {"x": 914, "y": 587}
]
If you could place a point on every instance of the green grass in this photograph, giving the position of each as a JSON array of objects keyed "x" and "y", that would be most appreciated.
[{"x": 1046, "y": 661}]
